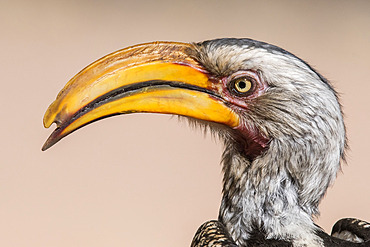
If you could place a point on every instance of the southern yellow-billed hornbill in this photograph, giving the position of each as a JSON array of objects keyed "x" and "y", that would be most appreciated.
[{"x": 280, "y": 121}]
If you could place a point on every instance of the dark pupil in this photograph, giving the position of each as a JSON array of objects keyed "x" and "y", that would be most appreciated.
[{"x": 241, "y": 84}]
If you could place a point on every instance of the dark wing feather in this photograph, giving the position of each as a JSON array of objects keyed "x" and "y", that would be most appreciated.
[
  {"x": 353, "y": 230},
  {"x": 212, "y": 233}
]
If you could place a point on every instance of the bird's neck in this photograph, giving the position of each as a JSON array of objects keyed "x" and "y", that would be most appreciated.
[{"x": 262, "y": 197}]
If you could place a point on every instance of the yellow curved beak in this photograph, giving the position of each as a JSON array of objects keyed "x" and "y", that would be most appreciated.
[{"x": 159, "y": 77}]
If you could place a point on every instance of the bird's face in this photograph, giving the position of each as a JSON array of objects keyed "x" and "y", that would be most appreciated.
[
  {"x": 267, "y": 98},
  {"x": 285, "y": 94}
]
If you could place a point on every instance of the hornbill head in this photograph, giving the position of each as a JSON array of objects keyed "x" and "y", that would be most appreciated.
[{"x": 280, "y": 120}]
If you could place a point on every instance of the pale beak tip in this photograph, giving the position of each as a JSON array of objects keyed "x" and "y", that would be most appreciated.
[
  {"x": 53, "y": 138},
  {"x": 44, "y": 147},
  {"x": 47, "y": 144}
]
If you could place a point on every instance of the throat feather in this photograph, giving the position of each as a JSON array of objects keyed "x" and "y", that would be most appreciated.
[{"x": 262, "y": 198}]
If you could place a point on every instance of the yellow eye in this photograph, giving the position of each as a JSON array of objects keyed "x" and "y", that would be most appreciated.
[{"x": 241, "y": 86}]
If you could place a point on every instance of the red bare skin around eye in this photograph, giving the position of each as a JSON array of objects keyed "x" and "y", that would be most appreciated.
[{"x": 248, "y": 136}]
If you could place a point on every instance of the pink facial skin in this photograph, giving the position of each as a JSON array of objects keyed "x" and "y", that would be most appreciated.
[{"x": 250, "y": 138}]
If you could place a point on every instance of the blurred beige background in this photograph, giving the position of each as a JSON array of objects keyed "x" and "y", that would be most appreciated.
[{"x": 148, "y": 180}]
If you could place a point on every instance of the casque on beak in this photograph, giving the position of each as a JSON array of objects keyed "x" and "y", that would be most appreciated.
[{"x": 158, "y": 77}]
